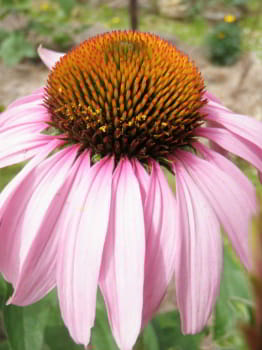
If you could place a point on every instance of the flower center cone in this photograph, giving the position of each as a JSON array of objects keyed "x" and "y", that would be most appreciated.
[{"x": 128, "y": 94}]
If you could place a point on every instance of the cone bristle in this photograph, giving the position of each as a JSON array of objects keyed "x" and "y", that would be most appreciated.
[{"x": 126, "y": 93}]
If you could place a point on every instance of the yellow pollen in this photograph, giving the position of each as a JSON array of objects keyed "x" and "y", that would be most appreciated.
[{"x": 103, "y": 128}]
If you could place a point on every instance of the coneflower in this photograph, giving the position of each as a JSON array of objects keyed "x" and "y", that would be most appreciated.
[{"x": 93, "y": 208}]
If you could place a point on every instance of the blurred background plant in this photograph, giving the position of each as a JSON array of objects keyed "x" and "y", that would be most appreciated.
[
  {"x": 225, "y": 42},
  {"x": 219, "y": 31},
  {"x": 26, "y": 23}
]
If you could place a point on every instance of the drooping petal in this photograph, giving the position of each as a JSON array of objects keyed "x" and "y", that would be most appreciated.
[
  {"x": 20, "y": 129},
  {"x": 233, "y": 143},
  {"x": 231, "y": 197},
  {"x": 29, "y": 113},
  {"x": 10, "y": 197},
  {"x": 160, "y": 225},
  {"x": 82, "y": 236},
  {"x": 19, "y": 227},
  {"x": 37, "y": 274},
  {"x": 19, "y": 144},
  {"x": 248, "y": 128},
  {"x": 230, "y": 168},
  {"x": 49, "y": 57},
  {"x": 35, "y": 96},
  {"x": 214, "y": 102},
  {"x": 211, "y": 97},
  {"x": 214, "y": 145},
  {"x": 122, "y": 274},
  {"x": 198, "y": 254}
]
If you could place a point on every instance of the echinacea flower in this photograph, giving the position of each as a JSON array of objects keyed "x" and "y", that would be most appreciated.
[{"x": 93, "y": 208}]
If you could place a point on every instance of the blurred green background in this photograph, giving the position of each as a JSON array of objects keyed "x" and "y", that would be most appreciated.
[{"x": 224, "y": 37}]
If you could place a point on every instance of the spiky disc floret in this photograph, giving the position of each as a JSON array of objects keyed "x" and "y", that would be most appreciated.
[{"x": 126, "y": 93}]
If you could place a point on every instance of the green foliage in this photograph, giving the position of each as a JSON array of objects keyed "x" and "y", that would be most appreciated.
[
  {"x": 29, "y": 324},
  {"x": 196, "y": 7},
  {"x": 67, "y": 5},
  {"x": 224, "y": 43},
  {"x": 7, "y": 174},
  {"x": 253, "y": 330},
  {"x": 62, "y": 39},
  {"x": 233, "y": 305},
  {"x": 101, "y": 335},
  {"x": 236, "y": 2},
  {"x": 41, "y": 19},
  {"x": 166, "y": 329},
  {"x": 40, "y": 327},
  {"x": 15, "y": 47},
  {"x": 3, "y": 291},
  {"x": 37, "y": 327},
  {"x": 3, "y": 34}
]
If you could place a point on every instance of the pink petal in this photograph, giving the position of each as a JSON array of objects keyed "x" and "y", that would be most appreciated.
[
  {"x": 38, "y": 244},
  {"x": 122, "y": 273},
  {"x": 49, "y": 57},
  {"x": 36, "y": 96},
  {"x": 8, "y": 198},
  {"x": 198, "y": 254},
  {"x": 230, "y": 195},
  {"x": 212, "y": 144},
  {"x": 30, "y": 113},
  {"x": 248, "y": 128},
  {"x": 20, "y": 144},
  {"x": 25, "y": 213},
  {"x": 214, "y": 102},
  {"x": 230, "y": 168},
  {"x": 82, "y": 235},
  {"x": 233, "y": 143},
  {"x": 211, "y": 97},
  {"x": 142, "y": 177},
  {"x": 160, "y": 224}
]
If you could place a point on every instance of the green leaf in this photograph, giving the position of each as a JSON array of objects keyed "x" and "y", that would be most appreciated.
[
  {"x": 67, "y": 5},
  {"x": 167, "y": 328},
  {"x": 3, "y": 291},
  {"x": 233, "y": 303},
  {"x": 25, "y": 325},
  {"x": 149, "y": 338},
  {"x": 62, "y": 39},
  {"x": 5, "y": 346},
  {"x": 57, "y": 338},
  {"x": 101, "y": 334},
  {"x": 15, "y": 47},
  {"x": 3, "y": 34}
]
